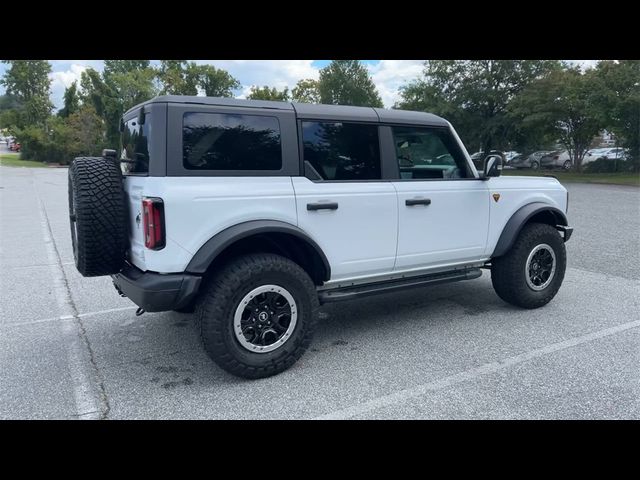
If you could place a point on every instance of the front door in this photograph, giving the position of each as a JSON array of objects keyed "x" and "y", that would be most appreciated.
[
  {"x": 342, "y": 201},
  {"x": 443, "y": 209}
]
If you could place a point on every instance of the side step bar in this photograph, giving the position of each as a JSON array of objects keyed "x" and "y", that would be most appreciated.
[{"x": 356, "y": 291}]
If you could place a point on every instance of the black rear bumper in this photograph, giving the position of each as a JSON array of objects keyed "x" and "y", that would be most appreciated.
[{"x": 156, "y": 292}]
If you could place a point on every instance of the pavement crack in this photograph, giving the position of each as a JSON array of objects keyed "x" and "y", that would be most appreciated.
[{"x": 104, "y": 407}]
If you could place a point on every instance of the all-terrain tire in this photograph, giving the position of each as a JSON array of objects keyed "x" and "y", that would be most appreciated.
[
  {"x": 97, "y": 213},
  {"x": 224, "y": 292},
  {"x": 508, "y": 272}
]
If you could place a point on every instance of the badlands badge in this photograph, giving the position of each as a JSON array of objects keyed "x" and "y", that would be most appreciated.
[{"x": 496, "y": 196}]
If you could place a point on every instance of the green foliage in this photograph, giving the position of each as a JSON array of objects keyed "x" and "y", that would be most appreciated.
[
  {"x": 266, "y": 93},
  {"x": 347, "y": 82},
  {"x": 178, "y": 77},
  {"x": 474, "y": 95},
  {"x": 28, "y": 81},
  {"x": 122, "y": 85},
  {"x": 71, "y": 101},
  {"x": 216, "y": 82},
  {"x": 306, "y": 91},
  {"x": 561, "y": 104},
  {"x": 603, "y": 165},
  {"x": 617, "y": 102}
]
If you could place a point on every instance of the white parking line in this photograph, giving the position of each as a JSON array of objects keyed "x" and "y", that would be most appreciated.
[
  {"x": 68, "y": 317},
  {"x": 86, "y": 396},
  {"x": 409, "y": 393}
]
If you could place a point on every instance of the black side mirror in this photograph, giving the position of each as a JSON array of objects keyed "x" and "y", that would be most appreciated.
[
  {"x": 492, "y": 166},
  {"x": 141, "y": 117}
]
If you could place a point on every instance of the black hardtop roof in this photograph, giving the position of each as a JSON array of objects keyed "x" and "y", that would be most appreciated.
[{"x": 310, "y": 110}]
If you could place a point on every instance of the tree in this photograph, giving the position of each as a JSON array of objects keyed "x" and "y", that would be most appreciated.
[
  {"x": 71, "y": 101},
  {"x": 28, "y": 81},
  {"x": 562, "y": 103},
  {"x": 474, "y": 94},
  {"x": 216, "y": 82},
  {"x": 347, "y": 82},
  {"x": 178, "y": 77},
  {"x": 122, "y": 85},
  {"x": 618, "y": 102},
  {"x": 266, "y": 93},
  {"x": 306, "y": 91}
]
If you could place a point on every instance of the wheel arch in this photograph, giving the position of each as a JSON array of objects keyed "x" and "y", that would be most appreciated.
[
  {"x": 263, "y": 235},
  {"x": 533, "y": 212}
]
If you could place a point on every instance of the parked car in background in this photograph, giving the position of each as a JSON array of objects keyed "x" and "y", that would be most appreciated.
[
  {"x": 556, "y": 159},
  {"x": 509, "y": 156},
  {"x": 528, "y": 161},
  {"x": 14, "y": 147}
]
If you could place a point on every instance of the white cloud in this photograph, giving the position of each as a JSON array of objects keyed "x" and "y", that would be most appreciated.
[
  {"x": 390, "y": 75},
  {"x": 273, "y": 73},
  {"x": 63, "y": 79}
]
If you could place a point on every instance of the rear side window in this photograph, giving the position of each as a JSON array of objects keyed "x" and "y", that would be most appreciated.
[
  {"x": 134, "y": 157},
  {"x": 224, "y": 141},
  {"x": 342, "y": 151}
]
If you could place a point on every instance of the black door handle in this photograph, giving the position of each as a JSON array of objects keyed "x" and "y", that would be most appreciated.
[
  {"x": 417, "y": 201},
  {"x": 322, "y": 206}
]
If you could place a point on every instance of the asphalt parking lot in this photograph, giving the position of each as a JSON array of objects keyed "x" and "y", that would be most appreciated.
[{"x": 71, "y": 348}]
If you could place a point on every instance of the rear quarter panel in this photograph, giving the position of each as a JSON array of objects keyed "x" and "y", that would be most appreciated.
[{"x": 197, "y": 208}]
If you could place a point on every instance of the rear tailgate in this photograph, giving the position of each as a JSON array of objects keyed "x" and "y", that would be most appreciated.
[{"x": 133, "y": 187}]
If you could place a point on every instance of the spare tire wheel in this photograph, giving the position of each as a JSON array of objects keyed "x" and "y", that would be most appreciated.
[{"x": 97, "y": 214}]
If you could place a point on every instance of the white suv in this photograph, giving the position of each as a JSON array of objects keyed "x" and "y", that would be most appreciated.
[{"x": 253, "y": 213}]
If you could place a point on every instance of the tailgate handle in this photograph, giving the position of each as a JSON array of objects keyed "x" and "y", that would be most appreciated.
[
  {"x": 417, "y": 201},
  {"x": 322, "y": 206}
]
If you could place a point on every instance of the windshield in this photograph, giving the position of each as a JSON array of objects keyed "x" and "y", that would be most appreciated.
[{"x": 134, "y": 155}]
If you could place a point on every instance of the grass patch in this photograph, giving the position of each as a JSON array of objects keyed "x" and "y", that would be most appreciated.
[
  {"x": 13, "y": 160},
  {"x": 610, "y": 178}
]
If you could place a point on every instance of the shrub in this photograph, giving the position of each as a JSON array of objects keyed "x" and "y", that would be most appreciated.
[{"x": 602, "y": 165}]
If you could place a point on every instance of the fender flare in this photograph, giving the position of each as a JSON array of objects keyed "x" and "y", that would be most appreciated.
[
  {"x": 518, "y": 220},
  {"x": 216, "y": 244}
]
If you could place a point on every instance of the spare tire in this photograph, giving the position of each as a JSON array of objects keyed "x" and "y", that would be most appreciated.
[{"x": 97, "y": 214}]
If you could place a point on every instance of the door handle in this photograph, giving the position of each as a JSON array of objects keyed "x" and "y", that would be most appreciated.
[
  {"x": 322, "y": 206},
  {"x": 417, "y": 201}
]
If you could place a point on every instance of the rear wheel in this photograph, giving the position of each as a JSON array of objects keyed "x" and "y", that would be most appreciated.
[
  {"x": 531, "y": 273},
  {"x": 567, "y": 165},
  {"x": 257, "y": 315},
  {"x": 535, "y": 165}
]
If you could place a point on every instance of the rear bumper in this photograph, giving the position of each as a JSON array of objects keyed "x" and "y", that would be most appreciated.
[{"x": 156, "y": 292}]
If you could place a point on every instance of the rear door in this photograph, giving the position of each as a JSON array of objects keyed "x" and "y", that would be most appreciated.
[{"x": 342, "y": 201}]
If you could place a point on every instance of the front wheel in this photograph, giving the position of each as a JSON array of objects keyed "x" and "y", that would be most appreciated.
[
  {"x": 257, "y": 315},
  {"x": 531, "y": 273},
  {"x": 567, "y": 165},
  {"x": 535, "y": 165}
]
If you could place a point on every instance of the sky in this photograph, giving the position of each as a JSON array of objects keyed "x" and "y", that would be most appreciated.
[{"x": 388, "y": 75}]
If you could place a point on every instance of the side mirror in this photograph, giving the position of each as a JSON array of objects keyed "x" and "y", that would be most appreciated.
[{"x": 492, "y": 166}]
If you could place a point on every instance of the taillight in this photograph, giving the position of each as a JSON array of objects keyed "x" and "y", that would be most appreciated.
[{"x": 153, "y": 214}]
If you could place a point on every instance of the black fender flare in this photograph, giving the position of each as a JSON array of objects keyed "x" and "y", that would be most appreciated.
[
  {"x": 518, "y": 220},
  {"x": 216, "y": 244}
]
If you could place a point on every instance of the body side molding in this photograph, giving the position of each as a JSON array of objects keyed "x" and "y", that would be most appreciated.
[
  {"x": 519, "y": 219},
  {"x": 216, "y": 244}
]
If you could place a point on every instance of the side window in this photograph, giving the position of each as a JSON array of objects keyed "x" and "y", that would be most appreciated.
[
  {"x": 428, "y": 153},
  {"x": 226, "y": 141},
  {"x": 342, "y": 151}
]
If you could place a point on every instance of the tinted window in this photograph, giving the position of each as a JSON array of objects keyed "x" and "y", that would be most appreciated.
[
  {"x": 424, "y": 152},
  {"x": 342, "y": 151},
  {"x": 223, "y": 141},
  {"x": 134, "y": 157}
]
